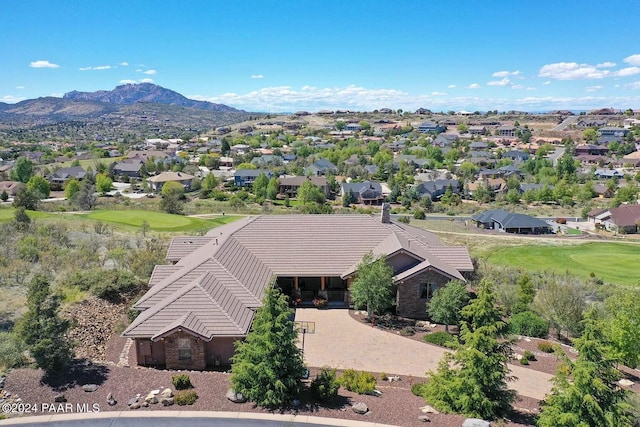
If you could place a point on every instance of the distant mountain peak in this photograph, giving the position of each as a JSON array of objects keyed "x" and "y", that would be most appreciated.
[{"x": 132, "y": 93}]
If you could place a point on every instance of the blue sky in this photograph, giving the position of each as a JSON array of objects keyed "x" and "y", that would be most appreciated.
[{"x": 323, "y": 54}]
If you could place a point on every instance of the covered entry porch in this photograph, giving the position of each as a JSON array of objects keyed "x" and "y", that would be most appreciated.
[{"x": 303, "y": 290}]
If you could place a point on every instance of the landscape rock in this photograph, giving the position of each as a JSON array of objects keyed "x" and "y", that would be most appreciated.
[
  {"x": 235, "y": 397},
  {"x": 360, "y": 408},
  {"x": 375, "y": 392},
  {"x": 60, "y": 398},
  {"x": 155, "y": 392},
  {"x": 135, "y": 406},
  {"x": 166, "y": 401},
  {"x": 424, "y": 418},
  {"x": 111, "y": 401},
  {"x": 475, "y": 422},
  {"x": 132, "y": 401},
  {"x": 429, "y": 410},
  {"x": 395, "y": 378},
  {"x": 90, "y": 388},
  {"x": 295, "y": 403},
  {"x": 166, "y": 393},
  {"x": 151, "y": 398},
  {"x": 625, "y": 383}
]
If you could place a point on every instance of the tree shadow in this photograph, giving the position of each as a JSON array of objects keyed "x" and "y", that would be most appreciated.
[{"x": 77, "y": 373}]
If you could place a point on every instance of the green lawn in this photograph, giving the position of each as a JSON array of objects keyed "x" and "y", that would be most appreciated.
[
  {"x": 157, "y": 221},
  {"x": 6, "y": 214},
  {"x": 611, "y": 262}
]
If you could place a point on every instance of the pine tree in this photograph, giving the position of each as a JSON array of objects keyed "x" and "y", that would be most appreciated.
[
  {"x": 42, "y": 330},
  {"x": 585, "y": 392},
  {"x": 268, "y": 366},
  {"x": 473, "y": 380}
]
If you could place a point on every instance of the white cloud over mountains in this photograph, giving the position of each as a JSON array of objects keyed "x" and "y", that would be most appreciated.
[
  {"x": 43, "y": 64},
  {"x": 576, "y": 71}
]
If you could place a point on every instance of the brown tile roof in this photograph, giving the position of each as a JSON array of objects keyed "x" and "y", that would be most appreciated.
[
  {"x": 170, "y": 176},
  {"x": 225, "y": 273},
  {"x": 625, "y": 215}
]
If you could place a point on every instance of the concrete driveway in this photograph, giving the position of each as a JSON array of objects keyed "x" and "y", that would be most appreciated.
[{"x": 341, "y": 342}]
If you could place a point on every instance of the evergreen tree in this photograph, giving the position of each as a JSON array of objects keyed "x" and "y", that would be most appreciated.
[
  {"x": 267, "y": 367},
  {"x": 4, "y": 196},
  {"x": 272, "y": 188},
  {"x": 473, "y": 380},
  {"x": 348, "y": 199},
  {"x": 446, "y": 303},
  {"x": 585, "y": 392},
  {"x": 372, "y": 285},
  {"x": 42, "y": 330}
]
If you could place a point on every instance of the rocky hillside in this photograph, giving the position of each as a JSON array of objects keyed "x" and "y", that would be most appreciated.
[{"x": 145, "y": 92}]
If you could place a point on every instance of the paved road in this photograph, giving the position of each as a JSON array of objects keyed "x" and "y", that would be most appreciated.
[
  {"x": 341, "y": 342},
  {"x": 566, "y": 122}
]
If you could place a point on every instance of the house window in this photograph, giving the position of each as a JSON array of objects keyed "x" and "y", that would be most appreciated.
[
  {"x": 184, "y": 349},
  {"x": 427, "y": 290}
]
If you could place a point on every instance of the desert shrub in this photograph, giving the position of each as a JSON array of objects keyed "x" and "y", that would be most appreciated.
[
  {"x": 419, "y": 214},
  {"x": 384, "y": 376},
  {"x": 528, "y": 324},
  {"x": 407, "y": 331},
  {"x": 404, "y": 219},
  {"x": 185, "y": 397},
  {"x": 325, "y": 385},
  {"x": 546, "y": 347},
  {"x": 358, "y": 381},
  {"x": 181, "y": 381},
  {"x": 529, "y": 356},
  {"x": 418, "y": 389},
  {"x": 524, "y": 361},
  {"x": 439, "y": 338},
  {"x": 107, "y": 284},
  {"x": 12, "y": 351}
]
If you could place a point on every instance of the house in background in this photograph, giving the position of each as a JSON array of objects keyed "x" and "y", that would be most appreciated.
[
  {"x": 158, "y": 181},
  {"x": 431, "y": 127},
  {"x": 62, "y": 175},
  {"x": 289, "y": 186},
  {"x": 321, "y": 167},
  {"x": 196, "y": 308},
  {"x": 245, "y": 177},
  {"x": 128, "y": 167},
  {"x": 11, "y": 187},
  {"x": 435, "y": 189},
  {"x": 367, "y": 192},
  {"x": 623, "y": 219},
  {"x": 508, "y": 222}
]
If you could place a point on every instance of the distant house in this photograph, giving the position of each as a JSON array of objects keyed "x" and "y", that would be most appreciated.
[
  {"x": 423, "y": 111},
  {"x": 245, "y": 177},
  {"x": 267, "y": 160},
  {"x": 444, "y": 140},
  {"x": 62, "y": 175},
  {"x": 321, "y": 167},
  {"x": 592, "y": 149},
  {"x": 368, "y": 192},
  {"x": 613, "y": 131},
  {"x": 524, "y": 187},
  {"x": 431, "y": 127},
  {"x": 130, "y": 168},
  {"x": 516, "y": 155},
  {"x": 623, "y": 219},
  {"x": 353, "y": 127},
  {"x": 602, "y": 191},
  {"x": 477, "y": 130},
  {"x": 507, "y": 130},
  {"x": 289, "y": 186},
  {"x": 435, "y": 189},
  {"x": 508, "y": 222},
  {"x": 156, "y": 182},
  {"x": 591, "y": 123},
  {"x": 478, "y": 145},
  {"x": 11, "y": 187},
  {"x": 607, "y": 173},
  {"x": 145, "y": 155}
]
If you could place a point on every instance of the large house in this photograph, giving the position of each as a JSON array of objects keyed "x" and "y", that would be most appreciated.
[
  {"x": 498, "y": 219},
  {"x": 289, "y": 186},
  {"x": 62, "y": 175},
  {"x": 197, "y": 307},
  {"x": 430, "y": 127},
  {"x": 156, "y": 182},
  {"x": 623, "y": 219},
  {"x": 367, "y": 192}
]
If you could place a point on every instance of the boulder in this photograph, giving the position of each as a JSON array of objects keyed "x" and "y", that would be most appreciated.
[
  {"x": 394, "y": 378},
  {"x": 296, "y": 403},
  {"x": 111, "y": 401},
  {"x": 166, "y": 393},
  {"x": 154, "y": 392},
  {"x": 360, "y": 408},
  {"x": 132, "y": 401},
  {"x": 90, "y": 388},
  {"x": 375, "y": 392},
  {"x": 235, "y": 397},
  {"x": 151, "y": 398},
  {"x": 475, "y": 422},
  {"x": 625, "y": 383},
  {"x": 429, "y": 410},
  {"x": 135, "y": 406},
  {"x": 424, "y": 418},
  {"x": 60, "y": 398},
  {"x": 166, "y": 401}
]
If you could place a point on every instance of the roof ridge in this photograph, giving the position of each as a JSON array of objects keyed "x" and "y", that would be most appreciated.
[{"x": 215, "y": 302}]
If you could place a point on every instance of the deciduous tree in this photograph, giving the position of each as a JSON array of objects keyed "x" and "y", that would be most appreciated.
[
  {"x": 267, "y": 367},
  {"x": 446, "y": 303},
  {"x": 372, "y": 285},
  {"x": 23, "y": 170},
  {"x": 39, "y": 186}
]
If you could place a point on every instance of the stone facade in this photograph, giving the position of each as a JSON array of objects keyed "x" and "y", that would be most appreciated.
[
  {"x": 197, "y": 361},
  {"x": 408, "y": 299}
]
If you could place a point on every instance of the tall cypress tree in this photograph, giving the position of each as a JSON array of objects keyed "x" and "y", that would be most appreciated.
[
  {"x": 267, "y": 367},
  {"x": 585, "y": 392}
]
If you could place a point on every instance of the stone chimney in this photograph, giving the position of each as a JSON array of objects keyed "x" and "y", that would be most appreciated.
[{"x": 386, "y": 213}]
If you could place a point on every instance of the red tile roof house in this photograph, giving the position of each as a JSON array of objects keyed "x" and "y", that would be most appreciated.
[{"x": 199, "y": 306}]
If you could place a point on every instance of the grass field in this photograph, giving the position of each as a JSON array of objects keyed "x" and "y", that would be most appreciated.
[
  {"x": 6, "y": 214},
  {"x": 157, "y": 221},
  {"x": 611, "y": 262}
]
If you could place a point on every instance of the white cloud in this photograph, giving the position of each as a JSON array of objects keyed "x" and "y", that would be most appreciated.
[
  {"x": 593, "y": 88},
  {"x": 43, "y": 64},
  {"x": 124, "y": 64},
  {"x": 572, "y": 71},
  {"x": 633, "y": 85},
  {"x": 128, "y": 82},
  {"x": 633, "y": 59},
  {"x": 451, "y": 86},
  {"x": 438, "y": 93},
  {"x": 56, "y": 95},
  {"x": 11, "y": 99},
  {"x": 146, "y": 81},
  {"x": 503, "y": 82},
  {"x": 607, "y": 64},
  {"x": 257, "y": 76},
  {"x": 99, "y": 67},
  {"x": 506, "y": 73},
  {"x": 625, "y": 72},
  {"x": 20, "y": 87},
  {"x": 474, "y": 86},
  {"x": 150, "y": 72},
  {"x": 548, "y": 82}
]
